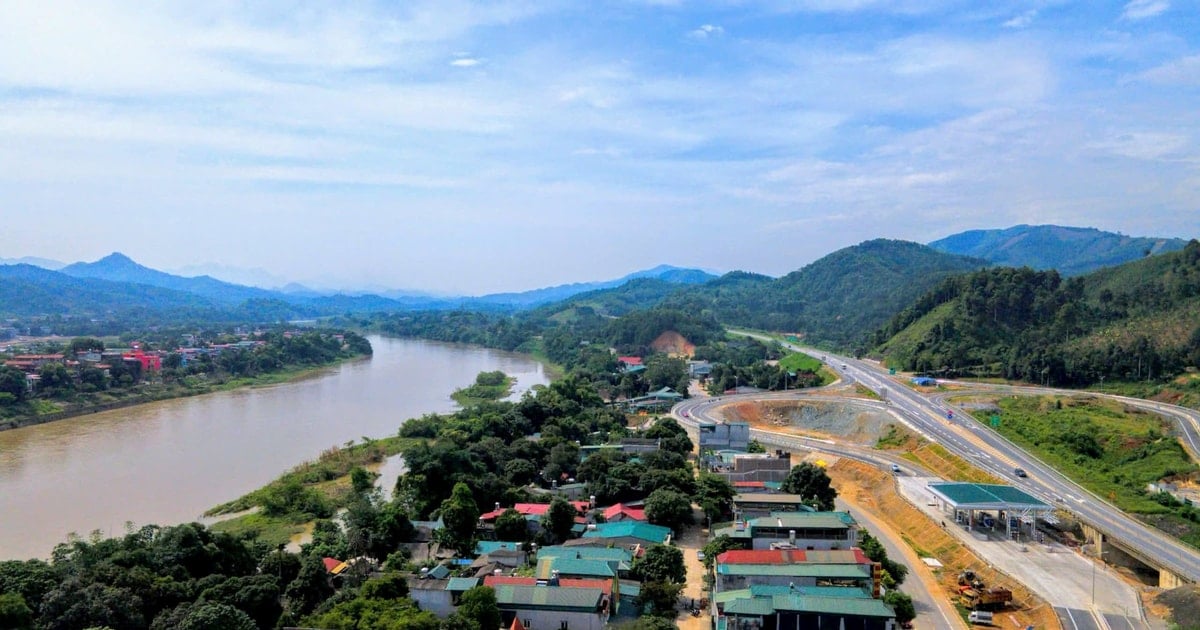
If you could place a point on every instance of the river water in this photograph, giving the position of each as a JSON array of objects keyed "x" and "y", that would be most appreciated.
[{"x": 168, "y": 462}]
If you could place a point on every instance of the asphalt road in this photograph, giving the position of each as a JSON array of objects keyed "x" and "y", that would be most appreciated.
[{"x": 986, "y": 449}]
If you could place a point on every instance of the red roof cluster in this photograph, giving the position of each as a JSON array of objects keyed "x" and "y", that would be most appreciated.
[
  {"x": 630, "y": 361},
  {"x": 532, "y": 509},
  {"x": 749, "y": 484},
  {"x": 611, "y": 512}
]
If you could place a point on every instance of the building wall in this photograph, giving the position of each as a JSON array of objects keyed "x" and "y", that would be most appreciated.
[
  {"x": 811, "y": 621},
  {"x": 438, "y": 602},
  {"x": 553, "y": 619}
]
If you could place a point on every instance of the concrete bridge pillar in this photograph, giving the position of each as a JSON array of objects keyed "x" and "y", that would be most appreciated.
[
  {"x": 1095, "y": 539},
  {"x": 1167, "y": 580}
]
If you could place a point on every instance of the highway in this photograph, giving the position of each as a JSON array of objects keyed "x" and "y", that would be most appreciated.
[
  {"x": 1186, "y": 420},
  {"x": 986, "y": 449}
]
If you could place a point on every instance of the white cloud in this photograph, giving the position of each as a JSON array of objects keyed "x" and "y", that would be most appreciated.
[
  {"x": 466, "y": 62},
  {"x": 705, "y": 31},
  {"x": 1142, "y": 9},
  {"x": 1022, "y": 20},
  {"x": 1182, "y": 71},
  {"x": 1144, "y": 145}
]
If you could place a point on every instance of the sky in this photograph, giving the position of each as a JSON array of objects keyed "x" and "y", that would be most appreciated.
[{"x": 467, "y": 148}]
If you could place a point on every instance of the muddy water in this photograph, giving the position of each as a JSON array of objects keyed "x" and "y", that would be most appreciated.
[{"x": 167, "y": 462}]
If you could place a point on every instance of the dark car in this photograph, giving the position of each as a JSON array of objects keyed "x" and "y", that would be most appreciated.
[{"x": 1020, "y": 472}]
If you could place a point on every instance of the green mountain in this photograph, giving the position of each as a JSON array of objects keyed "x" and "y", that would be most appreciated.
[
  {"x": 1069, "y": 250},
  {"x": 1137, "y": 321},
  {"x": 837, "y": 300}
]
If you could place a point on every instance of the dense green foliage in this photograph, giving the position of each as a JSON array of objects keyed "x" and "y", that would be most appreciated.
[
  {"x": 1070, "y": 251},
  {"x": 895, "y": 571},
  {"x": 1134, "y": 322},
  {"x": 834, "y": 301},
  {"x": 811, "y": 482},
  {"x": 488, "y": 386}
]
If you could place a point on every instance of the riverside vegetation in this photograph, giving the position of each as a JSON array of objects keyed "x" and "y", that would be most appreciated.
[{"x": 60, "y": 392}]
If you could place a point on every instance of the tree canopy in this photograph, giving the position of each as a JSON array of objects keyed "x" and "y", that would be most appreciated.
[{"x": 813, "y": 484}]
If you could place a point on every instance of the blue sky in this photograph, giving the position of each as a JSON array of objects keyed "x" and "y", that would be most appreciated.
[{"x": 462, "y": 147}]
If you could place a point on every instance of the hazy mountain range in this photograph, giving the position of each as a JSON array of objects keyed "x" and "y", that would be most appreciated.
[{"x": 864, "y": 282}]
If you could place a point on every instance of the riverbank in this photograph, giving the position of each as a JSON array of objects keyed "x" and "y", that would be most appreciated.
[{"x": 42, "y": 411}]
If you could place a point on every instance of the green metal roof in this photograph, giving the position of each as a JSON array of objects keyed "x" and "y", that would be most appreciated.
[
  {"x": 853, "y": 571},
  {"x": 489, "y": 546},
  {"x": 856, "y": 606},
  {"x": 548, "y": 597},
  {"x": 860, "y": 606},
  {"x": 635, "y": 529},
  {"x": 574, "y": 567},
  {"x": 811, "y": 520},
  {"x": 756, "y": 606},
  {"x": 462, "y": 584},
  {"x": 584, "y": 552},
  {"x": 770, "y": 590},
  {"x": 986, "y": 496}
]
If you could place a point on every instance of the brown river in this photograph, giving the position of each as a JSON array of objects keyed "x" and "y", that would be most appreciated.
[{"x": 168, "y": 462}]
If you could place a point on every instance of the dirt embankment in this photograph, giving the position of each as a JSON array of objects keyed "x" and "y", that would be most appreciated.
[
  {"x": 673, "y": 344},
  {"x": 874, "y": 491},
  {"x": 813, "y": 418}
]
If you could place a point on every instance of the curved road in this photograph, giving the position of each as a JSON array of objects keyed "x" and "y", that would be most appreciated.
[{"x": 986, "y": 449}]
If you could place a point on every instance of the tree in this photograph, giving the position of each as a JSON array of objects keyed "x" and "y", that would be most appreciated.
[
  {"x": 658, "y": 598},
  {"x": 718, "y": 546},
  {"x": 479, "y": 605},
  {"x": 12, "y": 381},
  {"x": 714, "y": 494},
  {"x": 310, "y": 588},
  {"x": 511, "y": 526},
  {"x": 54, "y": 380},
  {"x": 646, "y": 623},
  {"x": 902, "y": 603},
  {"x": 388, "y": 586},
  {"x": 560, "y": 518},
  {"x": 460, "y": 514},
  {"x": 14, "y": 613},
  {"x": 673, "y": 438},
  {"x": 873, "y": 549},
  {"x": 669, "y": 508},
  {"x": 361, "y": 480},
  {"x": 813, "y": 484},
  {"x": 755, "y": 447},
  {"x": 661, "y": 563},
  {"x": 211, "y": 616}
]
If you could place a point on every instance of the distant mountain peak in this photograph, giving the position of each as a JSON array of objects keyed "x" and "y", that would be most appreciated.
[
  {"x": 1069, "y": 250},
  {"x": 117, "y": 258}
]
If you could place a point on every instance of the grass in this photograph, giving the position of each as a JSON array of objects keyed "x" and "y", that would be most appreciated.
[
  {"x": 328, "y": 474},
  {"x": 271, "y": 530},
  {"x": 799, "y": 362},
  {"x": 943, "y": 463}
]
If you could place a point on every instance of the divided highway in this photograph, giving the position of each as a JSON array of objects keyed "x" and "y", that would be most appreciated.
[{"x": 988, "y": 450}]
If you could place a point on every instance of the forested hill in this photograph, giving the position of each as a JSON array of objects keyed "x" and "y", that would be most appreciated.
[
  {"x": 836, "y": 300},
  {"x": 1068, "y": 250},
  {"x": 1137, "y": 321}
]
